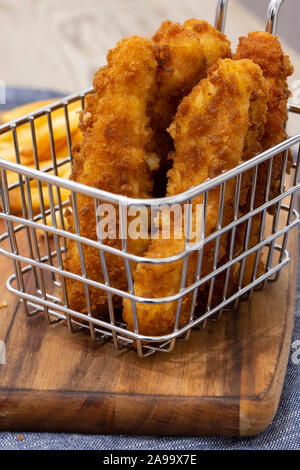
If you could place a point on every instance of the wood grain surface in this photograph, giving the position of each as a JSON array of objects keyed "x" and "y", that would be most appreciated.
[{"x": 226, "y": 379}]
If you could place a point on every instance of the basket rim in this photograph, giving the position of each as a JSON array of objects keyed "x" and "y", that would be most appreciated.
[
  {"x": 100, "y": 194},
  {"x": 106, "y": 196}
]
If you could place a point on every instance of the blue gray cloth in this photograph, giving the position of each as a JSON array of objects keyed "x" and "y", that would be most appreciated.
[
  {"x": 282, "y": 433},
  {"x": 17, "y": 96}
]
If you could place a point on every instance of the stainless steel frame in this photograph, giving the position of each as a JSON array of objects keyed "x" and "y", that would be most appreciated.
[{"x": 39, "y": 274}]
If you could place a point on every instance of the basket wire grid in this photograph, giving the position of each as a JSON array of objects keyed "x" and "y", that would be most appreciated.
[{"x": 39, "y": 274}]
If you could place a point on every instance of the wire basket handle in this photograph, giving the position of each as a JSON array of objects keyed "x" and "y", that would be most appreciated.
[
  {"x": 272, "y": 15},
  {"x": 221, "y": 15}
]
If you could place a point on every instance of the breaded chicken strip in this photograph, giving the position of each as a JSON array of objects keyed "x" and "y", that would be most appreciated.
[
  {"x": 265, "y": 50},
  {"x": 210, "y": 132},
  {"x": 250, "y": 261},
  {"x": 184, "y": 54},
  {"x": 113, "y": 156},
  {"x": 215, "y": 44},
  {"x": 181, "y": 64}
]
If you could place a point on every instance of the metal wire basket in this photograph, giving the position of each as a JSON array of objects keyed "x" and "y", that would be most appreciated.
[{"x": 39, "y": 275}]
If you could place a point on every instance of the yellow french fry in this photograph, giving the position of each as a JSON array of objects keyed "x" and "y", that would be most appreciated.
[
  {"x": 63, "y": 171},
  {"x": 19, "y": 111},
  {"x": 15, "y": 198},
  {"x": 7, "y": 151},
  {"x": 15, "y": 113},
  {"x": 42, "y": 135}
]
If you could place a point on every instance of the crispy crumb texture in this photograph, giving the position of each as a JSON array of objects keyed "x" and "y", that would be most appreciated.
[
  {"x": 114, "y": 156},
  {"x": 210, "y": 131}
]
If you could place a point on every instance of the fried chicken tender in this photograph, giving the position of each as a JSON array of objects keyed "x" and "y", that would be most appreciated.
[
  {"x": 210, "y": 131},
  {"x": 254, "y": 238},
  {"x": 184, "y": 53},
  {"x": 181, "y": 65},
  {"x": 265, "y": 50},
  {"x": 215, "y": 44},
  {"x": 114, "y": 157}
]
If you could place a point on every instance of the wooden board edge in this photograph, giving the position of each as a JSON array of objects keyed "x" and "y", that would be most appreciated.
[
  {"x": 256, "y": 413},
  {"x": 122, "y": 414}
]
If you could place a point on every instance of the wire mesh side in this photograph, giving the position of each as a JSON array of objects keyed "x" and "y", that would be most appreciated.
[{"x": 42, "y": 258}]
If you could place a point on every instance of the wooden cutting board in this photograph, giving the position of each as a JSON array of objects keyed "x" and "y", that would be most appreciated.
[{"x": 226, "y": 379}]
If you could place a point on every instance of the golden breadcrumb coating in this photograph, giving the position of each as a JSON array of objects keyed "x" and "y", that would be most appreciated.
[
  {"x": 181, "y": 64},
  {"x": 215, "y": 44},
  {"x": 114, "y": 157},
  {"x": 184, "y": 54},
  {"x": 210, "y": 131},
  {"x": 265, "y": 50},
  {"x": 254, "y": 238}
]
